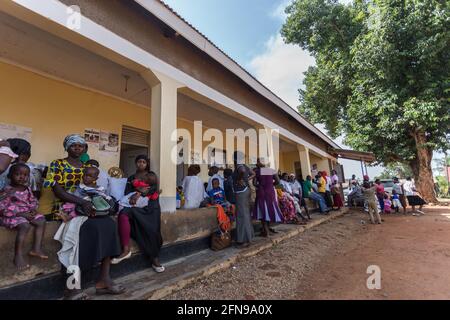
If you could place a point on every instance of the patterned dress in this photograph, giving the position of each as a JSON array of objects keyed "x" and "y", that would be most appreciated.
[
  {"x": 98, "y": 238},
  {"x": 67, "y": 176},
  {"x": 287, "y": 207},
  {"x": 15, "y": 203}
]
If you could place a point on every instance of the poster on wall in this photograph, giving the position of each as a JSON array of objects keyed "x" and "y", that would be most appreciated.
[
  {"x": 9, "y": 131},
  {"x": 109, "y": 142},
  {"x": 92, "y": 136}
]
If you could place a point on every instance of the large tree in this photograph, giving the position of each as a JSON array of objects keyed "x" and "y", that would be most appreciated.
[{"x": 381, "y": 76}]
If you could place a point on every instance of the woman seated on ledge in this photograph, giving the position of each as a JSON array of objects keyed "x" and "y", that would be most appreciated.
[
  {"x": 96, "y": 237},
  {"x": 142, "y": 222}
]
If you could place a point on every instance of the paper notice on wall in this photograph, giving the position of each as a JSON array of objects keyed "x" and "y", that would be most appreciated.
[
  {"x": 8, "y": 131},
  {"x": 109, "y": 142},
  {"x": 92, "y": 136}
]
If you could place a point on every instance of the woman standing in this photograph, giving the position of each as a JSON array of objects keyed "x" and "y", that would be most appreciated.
[
  {"x": 142, "y": 224},
  {"x": 380, "y": 193},
  {"x": 97, "y": 239},
  {"x": 413, "y": 196},
  {"x": 266, "y": 208},
  {"x": 241, "y": 176},
  {"x": 336, "y": 190}
]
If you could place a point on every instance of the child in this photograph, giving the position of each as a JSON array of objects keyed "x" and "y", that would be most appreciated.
[
  {"x": 396, "y": 201},
  {"x": 88, "y": 190},
  {"x": 387, "y": 204},
  {"x": 18, "y": 212},
  {"x": 143, "y": 187},
  {"x": 370, "y": 197},
  {"x": 217, "y": 195},
  {"x": 180, "y": 197}
]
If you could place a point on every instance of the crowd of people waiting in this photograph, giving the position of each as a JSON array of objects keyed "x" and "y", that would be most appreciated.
[
  {"x": 278, "y": 197},
  {"x": 376, "y": 199},
  {"x": 83, "y": 203}
]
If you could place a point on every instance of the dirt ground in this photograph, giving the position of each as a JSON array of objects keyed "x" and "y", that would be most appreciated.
[{"x": 330, "y": 262}]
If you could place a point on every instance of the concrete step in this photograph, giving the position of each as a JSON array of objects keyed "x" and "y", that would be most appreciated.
[{"x": 148, "y": 285}]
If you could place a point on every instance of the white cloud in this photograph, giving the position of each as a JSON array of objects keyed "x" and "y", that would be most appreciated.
[
  {"x": 279, "y": 13},
  {"x": 280, "y": 67}
]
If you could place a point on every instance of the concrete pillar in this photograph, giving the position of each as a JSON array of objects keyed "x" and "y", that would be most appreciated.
[
  {"x": 305, "y": 161},
  {"x": 323, "y": 165},
  {"x": 163, "y": 124},
  {"x": 273, "y": 147}
]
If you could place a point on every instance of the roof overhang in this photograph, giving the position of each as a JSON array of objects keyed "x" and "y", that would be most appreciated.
[
  {"x": 353, "y": 155},
  {"x": 168, "y": 16}
]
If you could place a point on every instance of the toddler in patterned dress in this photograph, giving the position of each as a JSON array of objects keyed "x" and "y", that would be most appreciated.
[{"x": 18, "y": 212}]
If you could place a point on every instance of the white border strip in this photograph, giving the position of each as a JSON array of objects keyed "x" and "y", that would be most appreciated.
[{"x": 56, "y": 11}]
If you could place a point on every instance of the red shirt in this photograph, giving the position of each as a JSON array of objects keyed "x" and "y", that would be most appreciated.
[{"x": 380, "y": 189}]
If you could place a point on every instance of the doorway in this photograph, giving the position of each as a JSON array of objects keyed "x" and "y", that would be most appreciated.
[{"x": 134, "y": 142}]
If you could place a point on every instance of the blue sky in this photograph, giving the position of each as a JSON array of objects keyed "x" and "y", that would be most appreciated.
[
  {"x": 249, "y": 32},
  {"x": 239, "y": 27}
]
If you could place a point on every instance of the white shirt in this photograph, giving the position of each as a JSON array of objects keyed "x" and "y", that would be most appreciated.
[
  {"x": 398, "y": 188},
  {"x": 216, "y": 176},
  {"x": 328, "y": 184},
  {"x": 335, "y": 179},
  {"x": 194, "y": 192},
  {"x": 296, "y": 187},
  {"x": 409, "y": 187},
  {"x": 103, "y": 180}
]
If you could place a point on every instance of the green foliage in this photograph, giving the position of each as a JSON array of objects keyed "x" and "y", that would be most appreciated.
[
  {"x": 381, "y": 75},
  {"x": 443, "y": 186}
]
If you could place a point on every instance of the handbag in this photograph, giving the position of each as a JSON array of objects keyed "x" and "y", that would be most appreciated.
[
  {"x": 220, "y": 240},
  {"x": 101, "y": 207}
]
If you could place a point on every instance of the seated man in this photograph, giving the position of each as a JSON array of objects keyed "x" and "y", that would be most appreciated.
[
  {"x": 355, "y": 196},
  {"x": 319, "y": 199}
]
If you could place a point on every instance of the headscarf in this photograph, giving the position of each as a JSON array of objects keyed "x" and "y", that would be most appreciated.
[
  {"x": 20, "y": 146},
  {"x": 72, "y": 139}
]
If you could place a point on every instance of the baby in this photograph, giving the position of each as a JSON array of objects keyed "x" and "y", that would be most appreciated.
[
  {"x": 146, "y": 186},
  {"x": 18, "y": 212}
]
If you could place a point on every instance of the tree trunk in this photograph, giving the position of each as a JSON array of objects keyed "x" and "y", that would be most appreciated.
[{"x": 423, "y": 172}]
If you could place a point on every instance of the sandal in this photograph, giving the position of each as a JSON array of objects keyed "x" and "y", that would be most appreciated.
[
  {"x": 273, "y": 230},
  {"x": 112, "y": 290},
  {"x": 75, "y": 295},
  {"x": 159, "y": 269}
]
